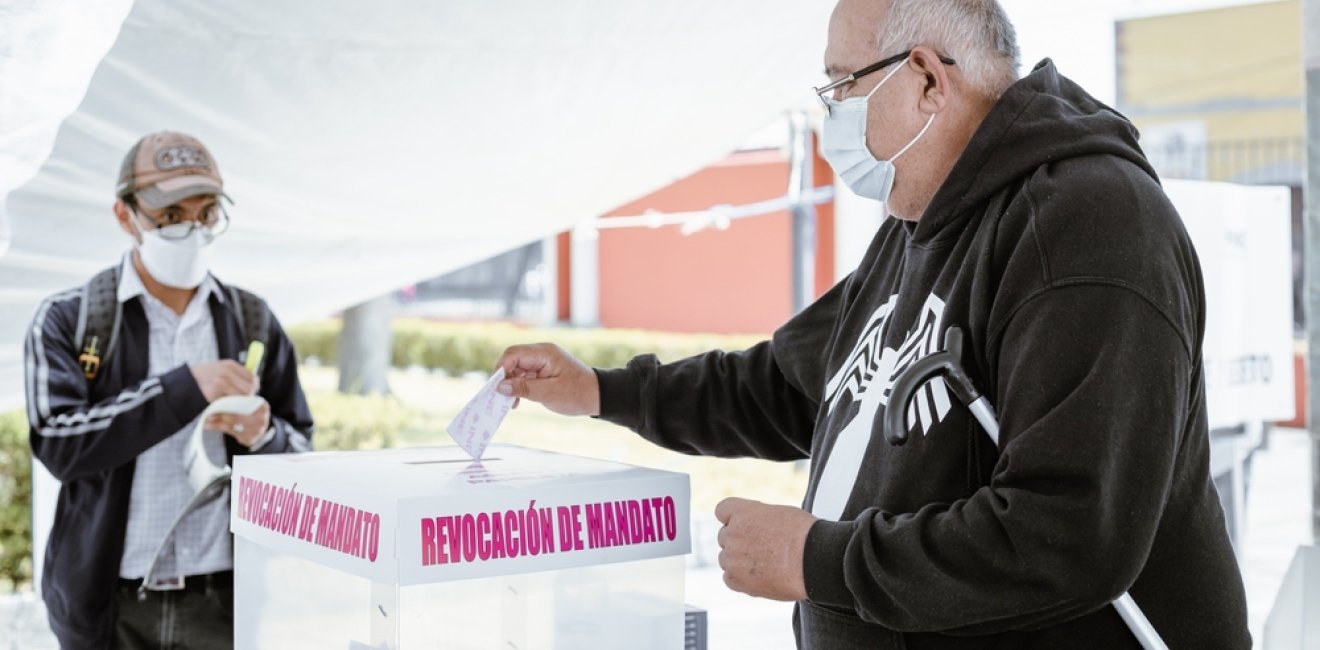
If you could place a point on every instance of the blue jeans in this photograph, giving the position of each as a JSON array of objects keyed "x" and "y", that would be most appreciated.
[{"x": 198, "y": 617}]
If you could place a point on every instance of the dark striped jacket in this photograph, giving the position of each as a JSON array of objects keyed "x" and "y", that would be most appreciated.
[{"x": 89, "y": 434}]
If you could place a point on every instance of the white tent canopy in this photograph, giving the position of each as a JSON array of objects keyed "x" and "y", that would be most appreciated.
[{"x": 369, "y": 145}]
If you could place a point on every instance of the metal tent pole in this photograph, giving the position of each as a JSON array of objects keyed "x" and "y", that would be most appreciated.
[{"x": 1311, "y": 228}]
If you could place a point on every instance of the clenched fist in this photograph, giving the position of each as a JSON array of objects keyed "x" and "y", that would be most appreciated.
[
  {"x": 223, "y": 378},
  {"x": 761, "y": 548}
]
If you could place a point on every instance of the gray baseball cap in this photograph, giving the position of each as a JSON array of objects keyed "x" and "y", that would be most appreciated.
[{"x": 166, "y": 167}]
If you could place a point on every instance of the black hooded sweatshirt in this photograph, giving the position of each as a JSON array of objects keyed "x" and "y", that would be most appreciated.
[{"x": 1054, "y": 249}]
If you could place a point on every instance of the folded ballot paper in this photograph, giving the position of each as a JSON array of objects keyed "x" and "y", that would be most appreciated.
[{"x": 475, "y": 425}]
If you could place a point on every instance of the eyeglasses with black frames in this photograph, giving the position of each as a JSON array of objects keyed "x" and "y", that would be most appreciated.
[{"x": 823, "y": 92}]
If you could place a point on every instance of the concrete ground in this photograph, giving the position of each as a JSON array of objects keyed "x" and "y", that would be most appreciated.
[{"x": 1278, "y": 511}]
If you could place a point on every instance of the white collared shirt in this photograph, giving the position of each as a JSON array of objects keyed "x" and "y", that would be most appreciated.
[{"x": 201, "y": 544}]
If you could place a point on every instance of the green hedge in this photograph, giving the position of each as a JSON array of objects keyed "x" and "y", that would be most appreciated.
[
  {"x": 460, "y": 348},
  {"x": 350, "y": 422},
  {"x": 15, "y": 501}
]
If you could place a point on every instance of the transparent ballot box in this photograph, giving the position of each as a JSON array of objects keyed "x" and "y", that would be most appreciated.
[{"x": 423, "y": 548}]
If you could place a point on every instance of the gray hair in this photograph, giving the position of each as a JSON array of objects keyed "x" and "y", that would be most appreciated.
[{"x": 975, "y": 33}]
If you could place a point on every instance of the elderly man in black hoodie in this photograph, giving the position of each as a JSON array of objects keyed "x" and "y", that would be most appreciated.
[{"x": 1024, "y": 213}]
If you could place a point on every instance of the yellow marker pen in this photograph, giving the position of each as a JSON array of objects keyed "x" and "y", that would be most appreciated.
[{"x": 254, "y": 353}]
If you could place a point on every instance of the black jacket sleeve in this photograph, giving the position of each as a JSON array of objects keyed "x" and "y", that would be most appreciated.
[
  {"x": 1094, "y": 390},
  {"x": 761, "y": 402},
  {"x": 74, "y": 438},
  {"x": 290, "y": 418}
]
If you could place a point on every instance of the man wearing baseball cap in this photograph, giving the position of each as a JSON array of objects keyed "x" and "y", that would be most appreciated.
[{"x": 118, "y": 373}]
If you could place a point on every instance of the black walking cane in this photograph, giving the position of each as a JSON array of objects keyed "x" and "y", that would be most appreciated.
[{"x": 947, "y": 364}]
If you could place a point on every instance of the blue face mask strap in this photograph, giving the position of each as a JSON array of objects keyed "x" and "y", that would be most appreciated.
[
  {"x": 882, "y": 81},
  {"x": 920, "y": 133}
]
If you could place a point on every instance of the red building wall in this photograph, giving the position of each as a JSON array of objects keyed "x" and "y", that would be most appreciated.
[{"x": 732, "y": 281}]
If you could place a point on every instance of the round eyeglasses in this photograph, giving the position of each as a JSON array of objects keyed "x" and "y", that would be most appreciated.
[{"x": 174, "y": 224}]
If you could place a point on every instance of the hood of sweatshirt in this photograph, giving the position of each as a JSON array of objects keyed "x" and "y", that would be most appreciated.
[{"x": 1043, "y": 118}]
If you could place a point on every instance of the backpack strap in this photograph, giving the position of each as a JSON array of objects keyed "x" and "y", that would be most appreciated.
[
  {"x": 99, "y": 314},
  {"x": 253, "y": 316}
]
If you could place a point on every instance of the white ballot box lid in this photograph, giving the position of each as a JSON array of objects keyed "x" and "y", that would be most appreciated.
[{"x": 424, "y": 515}]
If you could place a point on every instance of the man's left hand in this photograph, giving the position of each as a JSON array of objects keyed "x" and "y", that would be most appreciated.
[
  {"x": 246, "y": 429},
  {"x": 761, "y": 548}
]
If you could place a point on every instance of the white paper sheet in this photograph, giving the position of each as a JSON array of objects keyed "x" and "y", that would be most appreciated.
[
  {"x": 475, "y": 425},
  {"x": 200, "y": 468}
]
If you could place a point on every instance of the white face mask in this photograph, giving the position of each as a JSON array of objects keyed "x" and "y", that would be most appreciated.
[
  {"x": 843, "y": 144},
  {"x": 182, "y": 263}
]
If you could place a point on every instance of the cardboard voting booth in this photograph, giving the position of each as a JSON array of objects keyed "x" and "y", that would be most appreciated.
[{"x": 425, "y": 548}]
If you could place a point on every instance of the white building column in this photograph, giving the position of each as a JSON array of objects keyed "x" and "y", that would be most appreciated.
[
  {"x": 584, "y": 268},
  {"x": 550, "y": 280}
]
